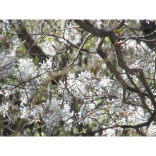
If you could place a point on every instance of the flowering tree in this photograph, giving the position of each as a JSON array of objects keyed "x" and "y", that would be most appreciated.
[{"x": 77, "y": 77}]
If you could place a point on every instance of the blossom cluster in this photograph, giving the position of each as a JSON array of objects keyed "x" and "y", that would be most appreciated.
[{"x": 89, "y": 96}]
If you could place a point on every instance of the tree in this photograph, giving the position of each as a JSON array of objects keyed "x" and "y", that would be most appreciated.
[{"x": 77, "y": 78}]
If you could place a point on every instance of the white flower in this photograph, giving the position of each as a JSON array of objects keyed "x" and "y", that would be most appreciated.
[
  {"x": 25, "y": 113},
  {"x": 48, "y": 48},
  {"x": 27, "y": 69},
  {"x": 4, "y": 108}
]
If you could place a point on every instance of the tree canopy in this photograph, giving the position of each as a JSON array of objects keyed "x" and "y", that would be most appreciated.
[{"x": 77, "y": 77}]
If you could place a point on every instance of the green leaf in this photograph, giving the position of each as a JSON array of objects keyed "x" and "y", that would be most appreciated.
[
  {"x": 36, "y": 60},
  {"x": 65, "y": 133},
  {"x": 93, "y": 71},
  {"x": 107, "y": 40},
  {"x": 37, "y": 133},
  {"x": 75, "y": 131},
  {"x": 84, "y": 131},
  {"x": 43, "y": 134}
]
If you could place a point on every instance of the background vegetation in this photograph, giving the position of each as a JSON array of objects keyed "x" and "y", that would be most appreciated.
[{"x": 77, "y": 78}]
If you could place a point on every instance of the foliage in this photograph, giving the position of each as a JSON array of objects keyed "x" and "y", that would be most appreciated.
[{"x": 77, "y": 78}]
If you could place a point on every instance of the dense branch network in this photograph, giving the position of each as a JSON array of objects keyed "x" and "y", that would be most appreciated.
[{"x": 102, "y": 74}]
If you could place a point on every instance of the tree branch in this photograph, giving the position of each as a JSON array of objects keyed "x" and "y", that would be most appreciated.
[
  {"x": 24, "y": 36},
  {"x": 90, "y": 28},
  {"x": 121, "y": 24}
]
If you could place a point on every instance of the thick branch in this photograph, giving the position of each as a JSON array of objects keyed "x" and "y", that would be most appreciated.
[
  {"x": 28, "y": 40},
  {"x": 130, "y": 126},
  {"x": 124, "y": 66},
  {"x": 90, "y": 28},
  {"x": 139, "y": 92},
  {"x": 103, "y": 55}
]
